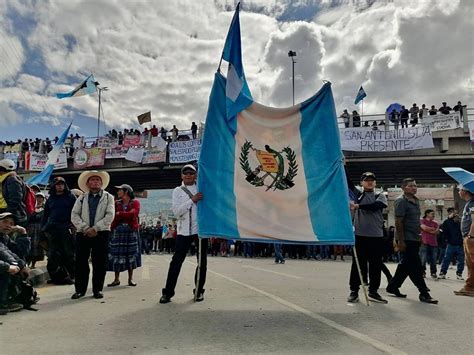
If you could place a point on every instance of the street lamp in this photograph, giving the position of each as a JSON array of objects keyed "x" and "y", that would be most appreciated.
[
  {"x": 292, "y": 55},
  {"x": 105, "y": 88}
]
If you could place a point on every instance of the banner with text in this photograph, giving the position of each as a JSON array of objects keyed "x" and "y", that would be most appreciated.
[
  {"x": 132, "y": 140},
  {"x": 367, "y": 140},
  {"x": 471, "y": 130},
  {"x": 86, "y": 158},
  {"x": 107, "y": 143},
  {"x": 185, "y": 151},
  {"x": 154, "y": 155},
  {"x": 443, "y": 122},
  {"x": 36, "y": 161}
]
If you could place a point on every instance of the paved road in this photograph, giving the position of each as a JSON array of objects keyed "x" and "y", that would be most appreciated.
[{"x": 251, "y": 306}]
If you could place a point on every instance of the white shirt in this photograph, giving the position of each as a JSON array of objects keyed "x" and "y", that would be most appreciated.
[{"x": 181, "y": 206}]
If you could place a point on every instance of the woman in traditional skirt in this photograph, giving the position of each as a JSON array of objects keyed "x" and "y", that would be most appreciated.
[
  {"x": 34, "y": 230},
  {"x": 124, "y": 249}
]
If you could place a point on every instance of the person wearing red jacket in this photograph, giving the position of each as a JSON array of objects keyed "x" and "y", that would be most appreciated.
[{"x": 124, "y": 250}]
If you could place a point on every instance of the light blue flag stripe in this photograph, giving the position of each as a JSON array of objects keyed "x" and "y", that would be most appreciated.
[
  {"x": 43, "y": 177},
  {"x": 238, "y": 96},
  {"x": 360, "y": 95},
  {"x": 328, "y": 200},
  {"x": 216, "y": 212}
]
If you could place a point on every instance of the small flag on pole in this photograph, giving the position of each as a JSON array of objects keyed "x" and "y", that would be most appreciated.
[
  {"x": 144, "y": 117},
  {"x": 360, "y": 95},
  {"x": 87, "y": 87}
]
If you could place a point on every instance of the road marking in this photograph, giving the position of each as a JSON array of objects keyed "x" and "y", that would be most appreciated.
[
  {"x": 273, "y": 272},
  {"x": 343, "y": 329}
]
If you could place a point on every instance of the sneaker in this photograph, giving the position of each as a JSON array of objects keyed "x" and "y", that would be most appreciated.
[
  {"x": 77, "y": 295},
  {"x": 434, "y": 276},
  {"x": 282, "y": 262},
  {"x": 14, "y": 307},
  {"x": 442, "y": 276},
  {"x": 459, "y": 277},
  {"x": 395, "y": 292},
  {"x": 426, "y": 298},
  {"x": 200, "y": 296},
  {"x": 353, "y": 297},
  {"x": 374, "y": 296}
]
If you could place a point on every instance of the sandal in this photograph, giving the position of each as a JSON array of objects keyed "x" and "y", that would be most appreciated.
[
  {"x": 131, "y": 283},
  {"x": 115, "y": 283}
]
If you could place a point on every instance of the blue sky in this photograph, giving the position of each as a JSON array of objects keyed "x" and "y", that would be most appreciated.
[{"x": 161, "y": 56}]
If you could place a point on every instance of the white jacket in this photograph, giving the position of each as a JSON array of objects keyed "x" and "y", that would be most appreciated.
[
  {"x": 104, "y": 215},
  {"x": 181, "y": 206}
]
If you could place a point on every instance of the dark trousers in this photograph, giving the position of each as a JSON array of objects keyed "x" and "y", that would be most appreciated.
[
  {"x": 4, "y": 278},
  {"x": 409, "y": 266},
  {"x": 95, "y": 247},
  {"x": 183, "y": 243},
  {"x": 60, "y": 254},
  {"x": 369, "y": 251}
]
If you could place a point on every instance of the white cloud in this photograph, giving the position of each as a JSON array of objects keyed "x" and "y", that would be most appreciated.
[{"x": 162, "y": 55}]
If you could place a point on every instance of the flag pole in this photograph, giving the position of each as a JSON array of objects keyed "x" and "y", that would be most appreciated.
[
  {"x": 362, "y": 109},
  {"x": 198, "y": 269},
  {"x": 360, "y": 275}
]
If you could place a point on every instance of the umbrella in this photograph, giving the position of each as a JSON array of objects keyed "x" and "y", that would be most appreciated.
[
  {"x": 395, "y": 106},
  {"x": 464, "y": 177}
]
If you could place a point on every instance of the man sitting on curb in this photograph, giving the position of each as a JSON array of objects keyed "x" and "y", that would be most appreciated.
[{"x": 10, "y": 263}]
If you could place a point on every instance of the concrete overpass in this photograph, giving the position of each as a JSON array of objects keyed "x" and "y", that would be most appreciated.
[{"x": 452, "y": 148}]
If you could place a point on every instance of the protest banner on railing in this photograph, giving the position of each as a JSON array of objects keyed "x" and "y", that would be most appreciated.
[
  {"x": 367, "y": 140},
  {"x": 36, "y": 161},
  {"x": 86, "y": 158},
  {"x": 442, "y": 122},
  {"x": 114, "y": 153},
  {"x": 135, "y": 154},
  {"x": 182, "y": 152},
  {"x": 131, "y": 140},
  {"x": 471, "y": 131},
  {"x": 154, "y": 155},
  {"x": 107, "y": 143}
]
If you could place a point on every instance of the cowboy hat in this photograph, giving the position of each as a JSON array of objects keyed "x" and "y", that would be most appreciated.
[{"x": 86, "y": 175}]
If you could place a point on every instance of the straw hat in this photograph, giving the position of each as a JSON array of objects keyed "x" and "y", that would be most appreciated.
[{"x": 86, "y": 175}]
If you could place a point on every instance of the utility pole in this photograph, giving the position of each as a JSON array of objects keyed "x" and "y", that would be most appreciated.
[
  {"x": 292, "y": 55},
  {"x": 105, "y": 88}
]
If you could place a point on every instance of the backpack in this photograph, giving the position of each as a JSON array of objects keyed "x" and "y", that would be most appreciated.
[
  {"x": 23, "y": 292},
  {"x": 29, "y": 198}
]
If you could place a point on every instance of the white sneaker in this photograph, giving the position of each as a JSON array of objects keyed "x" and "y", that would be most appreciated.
[
  {"x": 442, "y": 276},
  {"x": 459, "y": 277},
  {"x": 434, "y": 277}
]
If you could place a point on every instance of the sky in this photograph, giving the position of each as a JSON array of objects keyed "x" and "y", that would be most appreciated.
[{"x": 162, "y": 55}]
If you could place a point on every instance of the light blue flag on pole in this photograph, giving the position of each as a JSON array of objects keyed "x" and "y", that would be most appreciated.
[
  {"x": 87, "y": 87},
  {"x": 360, "y": 95},
  {"x": 278, "y": 176},
  {"x": 238, "y": 94},
  {"x": 43, "y": 177}
]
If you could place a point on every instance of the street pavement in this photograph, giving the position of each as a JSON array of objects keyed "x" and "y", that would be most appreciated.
[{"x": 251, "y": 306}]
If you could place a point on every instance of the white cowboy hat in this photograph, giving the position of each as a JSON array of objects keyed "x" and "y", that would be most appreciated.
[{"x": 86, "y": 175}]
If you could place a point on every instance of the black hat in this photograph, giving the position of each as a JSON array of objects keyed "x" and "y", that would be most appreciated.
[
  {"x": 58, "y": 180},
  {"x": 367, "y": 175}
]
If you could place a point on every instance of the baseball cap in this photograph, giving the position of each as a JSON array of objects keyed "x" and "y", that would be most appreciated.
[
  {"x": 124, "y": 187},
  {"x": 8, "y": 164},
  {"x": 58, "y": 180},
  {"x": 7, "y": 214},
  {"x": 367, "y": 175},
  {"x": 188, "y": 167}
]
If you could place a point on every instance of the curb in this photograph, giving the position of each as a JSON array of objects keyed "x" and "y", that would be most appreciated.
[{"x": 39, "y": 276}]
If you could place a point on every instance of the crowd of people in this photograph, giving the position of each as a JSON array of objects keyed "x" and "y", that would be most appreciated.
[
  {"x": 401, "y": 117},
  {"x": 71, "y": 227}
]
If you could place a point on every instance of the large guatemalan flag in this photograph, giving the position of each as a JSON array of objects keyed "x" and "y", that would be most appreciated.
[{"x": 267, "y": 173}]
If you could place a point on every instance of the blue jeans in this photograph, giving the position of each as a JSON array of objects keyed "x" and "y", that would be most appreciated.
[
  {"x": 311, "y": 251},
  {"x": 441, "y": 253},
  {"x": 428, "y": 254},
  {"x": 324, "y": 251},
  {"x": 278, "y": 256},
  {"x": 453, "y": 251},
  {"x": 248, "y": 249}
]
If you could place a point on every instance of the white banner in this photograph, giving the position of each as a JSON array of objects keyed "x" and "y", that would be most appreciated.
[
  {"x": 443, "y": 122},
  {"x": 471, "y": 130},
  {"x": 367, "y": 140},
  {"x": 154, "y": 155},
  {"x": 135, "y": 154},
  {"x": 38, "y": 161},
  {"x": 107, "y": 143},
  {"x": 185, "y": 151},
  {"x": 158, "y": 142}
]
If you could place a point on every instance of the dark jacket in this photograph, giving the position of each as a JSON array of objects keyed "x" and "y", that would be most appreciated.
[
  {"x": 57, "y": 210},
  {"x": 13, "y": 191},
  {"x": 452, "y": 232},
  {"x": 8, "y": 257}
]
